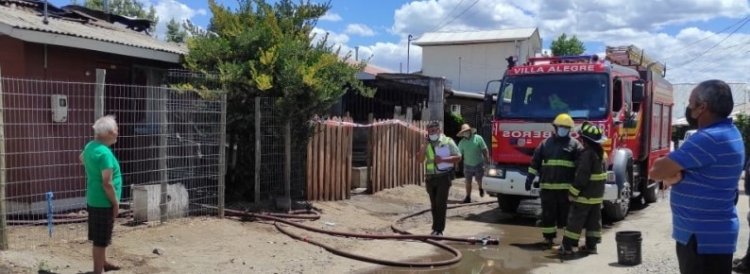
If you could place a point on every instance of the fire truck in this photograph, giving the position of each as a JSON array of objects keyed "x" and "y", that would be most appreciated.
[{"x": 625, "y": 94}]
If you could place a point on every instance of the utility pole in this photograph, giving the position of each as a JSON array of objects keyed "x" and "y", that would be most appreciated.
[{"x": 408, "y": 48}]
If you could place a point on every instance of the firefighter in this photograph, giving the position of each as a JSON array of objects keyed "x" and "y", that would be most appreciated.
[
  {"x": 554, "y": 163},
  {"x": 586, "y": 193}
]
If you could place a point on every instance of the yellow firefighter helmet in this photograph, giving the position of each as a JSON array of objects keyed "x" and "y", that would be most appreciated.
[{"x": 564, "y": 120}]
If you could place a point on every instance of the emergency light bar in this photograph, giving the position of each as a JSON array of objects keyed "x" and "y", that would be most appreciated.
[{"x": 563, "y": 59}]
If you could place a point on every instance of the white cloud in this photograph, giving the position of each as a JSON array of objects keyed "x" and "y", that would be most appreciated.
[
  {"x": 333, "y": 37},
  {"x": 611, "y": 22},
  {"x": 331, "y": 16},
  {"x": 392, "y": 56},
  {"x": 168, "y": 9},
  {"x": 359, "y": 29}
]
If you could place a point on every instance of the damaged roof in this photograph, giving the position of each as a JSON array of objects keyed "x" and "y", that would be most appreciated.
[{"x": 19, "y": 16}]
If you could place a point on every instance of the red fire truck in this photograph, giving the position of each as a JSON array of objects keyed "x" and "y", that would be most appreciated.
[{"x": 625, "y": 94}]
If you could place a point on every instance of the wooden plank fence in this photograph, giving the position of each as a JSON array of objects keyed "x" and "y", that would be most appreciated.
[
  {"x": 393, "y": 158},
  {"x": 329, "y": 161},
  {"x": 392, "y": 148}
]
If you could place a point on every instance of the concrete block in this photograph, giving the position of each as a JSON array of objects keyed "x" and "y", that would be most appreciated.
[
  {"x": 359, "y": 177},
  {"x": 146, "y": 199}
]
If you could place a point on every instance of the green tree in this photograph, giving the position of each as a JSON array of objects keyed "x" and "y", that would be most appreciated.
[
  {"x": 130, "y": 8},
  {"x": 175, "y": 33},
  {"x": 567, "y": 46},
  {"x": 263, "y": 49},
  {"x": 742, "y": 121}
]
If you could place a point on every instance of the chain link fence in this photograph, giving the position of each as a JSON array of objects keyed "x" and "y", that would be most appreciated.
[
  {"x": 169, "y": 149},
  {"x": 257, "y": 161}
]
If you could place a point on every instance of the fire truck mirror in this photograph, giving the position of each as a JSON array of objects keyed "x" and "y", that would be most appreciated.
[
  {"x": 488, "y": 105},
  {"x": 639, "y": 91}
]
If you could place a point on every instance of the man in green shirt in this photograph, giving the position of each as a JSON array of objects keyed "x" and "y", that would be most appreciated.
[
  {"x": 103, "y": 189},
  {"x": 475, "y": 155}
]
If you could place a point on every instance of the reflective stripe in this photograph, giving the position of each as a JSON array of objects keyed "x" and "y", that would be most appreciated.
[
  {"x": 562, "y": 163},
  {"x": 549, "y": 230},
  {"x": 594, "y": 234},
  {"x": 598, "y": 177},
  {"x": 589, "y": 201},
  {"x": 429, "y": 164},
  {"x": 574, "y": 236},
  {"x": 533, "y": 171},
  {"x": 555, "y": 186},
  {"x": 574, "y": 191}
]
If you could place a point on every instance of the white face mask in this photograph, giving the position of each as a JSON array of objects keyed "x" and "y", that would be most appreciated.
[
  {"x": 434, "y": 137},
  {"x": 563, "y": 132}
]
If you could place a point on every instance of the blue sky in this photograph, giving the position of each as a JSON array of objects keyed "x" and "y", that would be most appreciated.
[{"x": 666, "y": 29}]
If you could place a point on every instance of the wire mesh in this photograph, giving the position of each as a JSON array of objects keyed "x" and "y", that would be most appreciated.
[{"x": 166, "y": 136}]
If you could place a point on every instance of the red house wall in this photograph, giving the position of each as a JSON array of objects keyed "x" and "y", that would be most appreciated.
[{"x": 42, "y": 156}]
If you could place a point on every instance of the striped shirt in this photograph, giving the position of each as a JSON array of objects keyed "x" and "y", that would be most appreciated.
[{"x": 703, "y": 203}]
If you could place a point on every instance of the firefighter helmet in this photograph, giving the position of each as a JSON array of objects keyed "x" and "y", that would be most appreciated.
[
  {"x": 564, "y": 120},
  {"x": 592, "y": 132}
]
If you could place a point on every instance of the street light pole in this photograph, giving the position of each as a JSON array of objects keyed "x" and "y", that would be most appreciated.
[{"x": 408, "y": 48}]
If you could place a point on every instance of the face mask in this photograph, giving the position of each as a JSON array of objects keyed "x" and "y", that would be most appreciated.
[
  {"x": 563, "y": 132},
  {"x": 692, "y": 122},
  {"x": 434, "y": 137}
]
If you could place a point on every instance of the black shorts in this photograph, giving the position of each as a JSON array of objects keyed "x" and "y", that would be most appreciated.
[{"x": 101, "y": 222}]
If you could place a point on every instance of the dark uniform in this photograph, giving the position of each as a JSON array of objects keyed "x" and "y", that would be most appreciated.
[
  {"x": 587, "y": 193},
  {"x": 554, "y": 163}
]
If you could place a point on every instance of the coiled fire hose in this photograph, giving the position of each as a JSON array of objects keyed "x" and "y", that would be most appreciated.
[{"x": 405, "y": 235}]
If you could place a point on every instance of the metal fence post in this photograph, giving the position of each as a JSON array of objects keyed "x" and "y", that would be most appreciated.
[
  {"x": 222, "y": 155},
  {"x": 99, "y": 93},
  {"x": 3, "y": 209},
  {"x": 257, "y": 150},
  {"x": 163, "y": 131}
]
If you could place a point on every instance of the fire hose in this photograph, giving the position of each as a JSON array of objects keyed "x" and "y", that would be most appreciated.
[
  {"x": 404, "y": 235},
  {"x": 61, "y": 219}
]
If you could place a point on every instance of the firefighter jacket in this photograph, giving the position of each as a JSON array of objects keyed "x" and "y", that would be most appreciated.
[
  {"x": 588, "y": 186},
  {"x": 554, "y": 162}
]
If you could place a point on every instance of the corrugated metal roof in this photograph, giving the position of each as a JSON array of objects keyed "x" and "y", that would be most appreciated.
[
  {"x": 473, "y": 37},
  {"x": 27, "y": 19}
]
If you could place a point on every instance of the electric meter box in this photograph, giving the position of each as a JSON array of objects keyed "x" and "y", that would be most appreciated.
[{"x": 59, "y": 105}]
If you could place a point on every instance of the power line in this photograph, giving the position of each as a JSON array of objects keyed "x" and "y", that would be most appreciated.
[
  {"x": 715, "y": 45},
  {"x": 447, "y": 15},
  {"x": 689, "y": 45},
  {"x": 458, "y": 16}
]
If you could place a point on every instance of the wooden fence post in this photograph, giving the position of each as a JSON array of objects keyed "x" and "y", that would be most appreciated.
[
  {"x": 163, "y": 175},
  {"x": 222, "y": 155},
  {"x": 101, "y": 75},
  {"x": 256, "y": 188},
  {"x": 288, "y": 165}
]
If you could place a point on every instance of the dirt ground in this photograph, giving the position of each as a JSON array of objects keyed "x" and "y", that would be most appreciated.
[{"x": 210, "y": 245}]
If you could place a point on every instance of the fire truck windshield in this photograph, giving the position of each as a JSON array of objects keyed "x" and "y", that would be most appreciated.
[{"x": 583, "y": 96}]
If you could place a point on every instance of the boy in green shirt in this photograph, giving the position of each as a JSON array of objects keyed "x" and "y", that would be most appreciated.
[{"x": 475, "y": 155}]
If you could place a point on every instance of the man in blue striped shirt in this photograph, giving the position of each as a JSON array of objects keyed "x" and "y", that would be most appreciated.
[{"x": 704, "y": 175}]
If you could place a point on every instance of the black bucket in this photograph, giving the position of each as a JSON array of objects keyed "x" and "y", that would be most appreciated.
[{"x": 628, "y": 247}]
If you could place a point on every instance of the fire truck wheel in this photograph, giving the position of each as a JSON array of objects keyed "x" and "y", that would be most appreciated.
[
  {"x": 618, "y": 209},
  {"x": 508, "y": 203}
]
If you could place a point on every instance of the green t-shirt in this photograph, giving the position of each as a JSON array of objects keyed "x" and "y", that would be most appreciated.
[
  {"x": 96, "y": 158},
  {"x": 472, "y": 150}
]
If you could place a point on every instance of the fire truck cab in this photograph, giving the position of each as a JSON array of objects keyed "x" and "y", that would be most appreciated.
[{"x": 625, "y": 94}]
